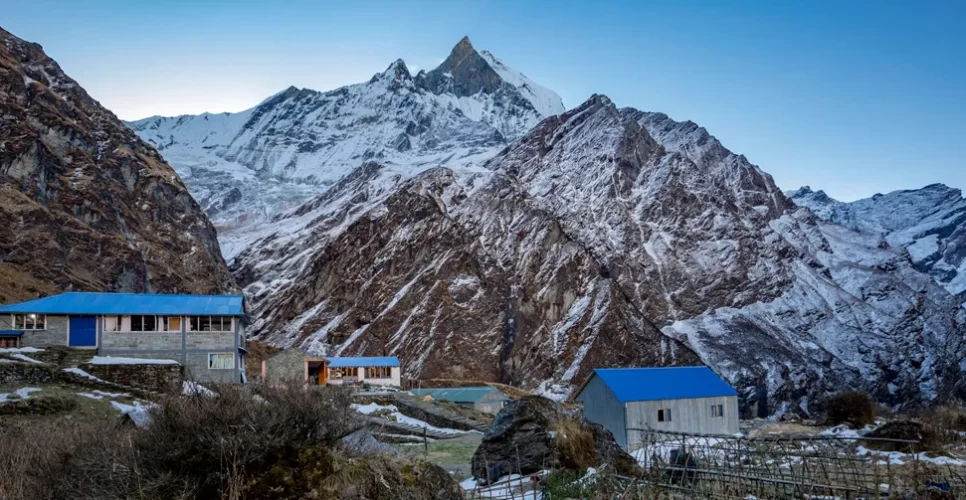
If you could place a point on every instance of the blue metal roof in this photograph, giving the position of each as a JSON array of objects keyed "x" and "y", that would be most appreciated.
[
  {"x": 11, "y": 333},
  {"x": 648, "y": 384},
  {"x": 360, "y": 361},
  {"x": 131, "y": 303},
  {"x": 459, "y": 394}
]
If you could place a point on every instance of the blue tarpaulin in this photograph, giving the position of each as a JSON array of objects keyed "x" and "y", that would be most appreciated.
[
  {"x": 648, "y": 384},
  {"x": 11, "y": 333},
  {"x": 81, "y": 303}
]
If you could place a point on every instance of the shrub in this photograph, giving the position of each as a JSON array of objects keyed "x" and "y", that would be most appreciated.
[
  {"x": 278, "y": 443},
  {"x": 853, "y": 408}
]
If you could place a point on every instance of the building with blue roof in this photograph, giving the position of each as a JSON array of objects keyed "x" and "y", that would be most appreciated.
[
  {"x": 629, "y": 402},
  {"x": 204, "y": 333},
  {"x": 300, "y": 366}
]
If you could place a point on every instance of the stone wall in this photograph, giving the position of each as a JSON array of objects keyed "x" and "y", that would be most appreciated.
[
  {"x": 54, "y": 334},
  {"x": 140, "y": 340},
  {"x": 210, "y": 340},
  {"x": 152, "y": 377},
  {"x": 286, "y": 366},
  {"x": 196, "y": 368}
]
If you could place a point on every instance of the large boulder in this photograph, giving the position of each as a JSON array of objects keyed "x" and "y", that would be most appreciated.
[{"x": 534, "y": 433}]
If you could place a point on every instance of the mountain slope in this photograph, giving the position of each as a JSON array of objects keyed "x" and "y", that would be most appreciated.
[
  {"x": 249, "y": 166},
  {"x": 604, "y": 237},
  {"x": 929, "y": 223},
  {"x": 87, "y": 205}
]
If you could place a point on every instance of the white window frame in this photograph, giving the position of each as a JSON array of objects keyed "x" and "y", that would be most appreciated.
[
  {"x": 160, "y": 323},
  {"x": 231, "y": 323},
  {"x": 26, "y": 316},
  {"x": 211, "y": 359}
]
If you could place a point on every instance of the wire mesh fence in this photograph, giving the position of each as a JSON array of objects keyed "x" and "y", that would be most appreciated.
[
  {"x": 809, "y": 467},
  {"x": 684, "y": 466}
]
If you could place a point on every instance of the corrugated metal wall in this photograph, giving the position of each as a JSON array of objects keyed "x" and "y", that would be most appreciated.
[
  {"x": 602, "y": 407},
  {"x": 687, "y": 415}
]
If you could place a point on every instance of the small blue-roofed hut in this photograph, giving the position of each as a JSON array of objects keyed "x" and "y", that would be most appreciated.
[{"x": 628, "y": 401}]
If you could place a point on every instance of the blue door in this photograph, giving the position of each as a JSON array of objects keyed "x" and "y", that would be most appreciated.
[{"x": 83, "y": 331}]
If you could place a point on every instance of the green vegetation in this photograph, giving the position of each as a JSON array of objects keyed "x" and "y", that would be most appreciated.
[{"x": 455, "y": 451}]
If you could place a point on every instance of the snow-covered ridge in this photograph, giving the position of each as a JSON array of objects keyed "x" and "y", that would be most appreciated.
[
  {"x": 929, "y": 223},
  {"x": 245, "y": 168}
]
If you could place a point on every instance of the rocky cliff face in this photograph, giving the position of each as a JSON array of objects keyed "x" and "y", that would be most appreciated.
[
  {"x": 604, "y": 237},
  {"x": 929, "y": 223},
  {"x": 85, "y": 204},
  {"x": 247, "y": 167}
]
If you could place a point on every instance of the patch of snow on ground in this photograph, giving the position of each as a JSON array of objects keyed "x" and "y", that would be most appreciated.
[
  {"x": 137, "y": 411},
  {"x": 82, "y": 373},
  {"x": 190, "y": 388},
  {"x": 27, "y": 359},
  {"x": 22, "y": 393},
  {"x": 28, "y": 350},
  {"x": 110, "y": 360},
  {"x": 396, "y": 415},
  {"x": 512, "y": 486},
  {"x": 899, "y": 458}
]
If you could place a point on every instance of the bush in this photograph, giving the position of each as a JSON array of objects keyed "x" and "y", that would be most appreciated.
[
  {"x": 244, "y": 443},
  {"x": 853, "y": 408}
]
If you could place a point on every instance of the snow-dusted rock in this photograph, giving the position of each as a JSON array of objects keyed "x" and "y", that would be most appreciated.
[
  {"x": 604, "y": 237},
  {"x": 247, "y": 167},
  {"x": 930, "y": 223}
]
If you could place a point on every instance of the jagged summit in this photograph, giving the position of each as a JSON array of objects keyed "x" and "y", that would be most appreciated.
[
  {"x": 397, "y": 71},
  {"x": 249, "y": 166}
]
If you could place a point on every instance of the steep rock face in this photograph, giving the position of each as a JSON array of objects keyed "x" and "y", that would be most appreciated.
[
  {"x": 86, "y": 204},
  {"x": 604, "y": 237},
  {"x": 247, "y": 167},
  {"x": 929, "y": 223}
]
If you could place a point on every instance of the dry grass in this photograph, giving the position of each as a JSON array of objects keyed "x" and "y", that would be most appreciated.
[
  {"x": 852, "y": 407},
  {"x": 196, "y": 447},
  {"x": 575, "y": 445}
]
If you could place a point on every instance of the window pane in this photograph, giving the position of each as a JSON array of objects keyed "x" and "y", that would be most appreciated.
[
  {"x": 41, "y": 321},
  {"x": 174, "y": 323},
  {"x": 20, "y": 322},
  {"x": 221, "y": 361},
  {"x": 111, "y": 323},
  {"x": 205, "y": 323},
  {"x": 137, "y": 323},
  {"x": 667, "y": 413}
]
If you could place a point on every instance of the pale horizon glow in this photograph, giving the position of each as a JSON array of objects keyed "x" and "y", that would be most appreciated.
[{"x": 853, "y": 98}]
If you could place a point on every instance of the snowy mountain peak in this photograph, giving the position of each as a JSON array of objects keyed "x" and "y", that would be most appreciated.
[
  {"x": 467, "y": 72},
  {"x": 397, "y": 71}
]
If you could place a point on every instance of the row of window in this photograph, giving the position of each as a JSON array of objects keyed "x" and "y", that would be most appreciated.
[
  {"x": 29, "y": 322},
  {"x": 143, "y": 323},
  {"x": 664, "y": 414},
  {"x": 371, "y": 372},
  {"x": 138, "y": 323}
]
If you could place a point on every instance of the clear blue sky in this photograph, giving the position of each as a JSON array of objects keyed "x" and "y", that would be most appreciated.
[{"x": 852, "y": 97}]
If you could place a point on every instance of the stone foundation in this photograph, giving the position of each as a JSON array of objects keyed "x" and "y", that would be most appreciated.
[{"x": 151, "y": 377}]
